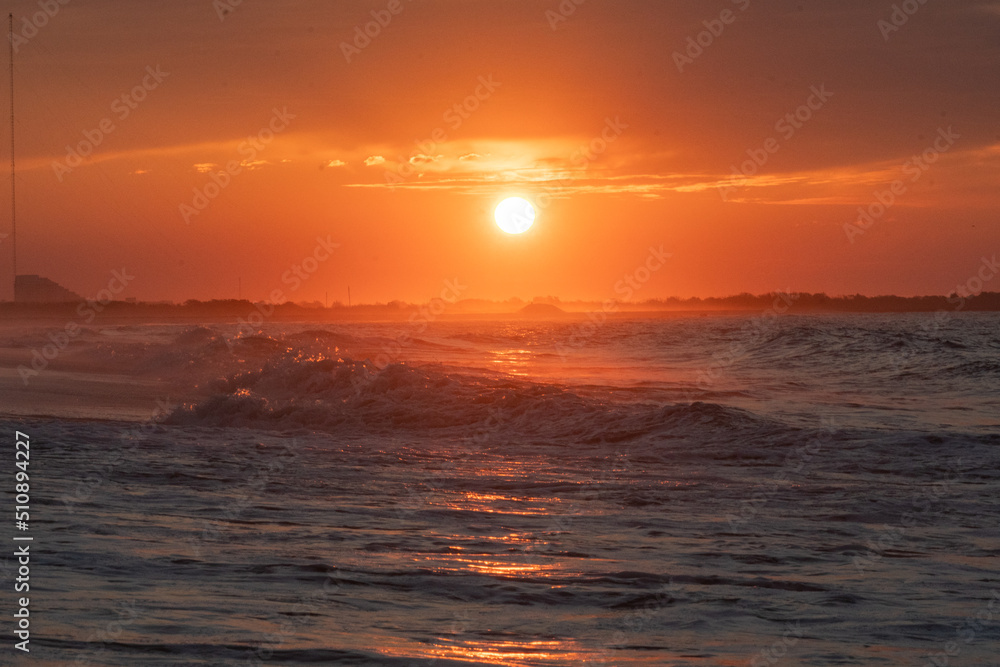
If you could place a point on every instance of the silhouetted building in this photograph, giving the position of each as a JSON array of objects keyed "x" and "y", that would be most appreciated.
[{"x": 36, "y": 289}]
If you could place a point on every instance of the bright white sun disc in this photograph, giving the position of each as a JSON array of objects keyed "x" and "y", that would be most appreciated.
[{"x": 515, "y": 215}]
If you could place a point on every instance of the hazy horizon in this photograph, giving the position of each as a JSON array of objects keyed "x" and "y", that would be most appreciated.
[{"x": 959, "y": 300}]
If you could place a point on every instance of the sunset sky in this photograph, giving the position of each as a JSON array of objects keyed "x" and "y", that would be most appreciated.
[{"x": 399, "y": 151}]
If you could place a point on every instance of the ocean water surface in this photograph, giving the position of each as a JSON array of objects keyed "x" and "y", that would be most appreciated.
[{"x": 726, "y": 490}]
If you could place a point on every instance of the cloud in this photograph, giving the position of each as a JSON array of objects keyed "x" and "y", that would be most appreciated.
[
  {"x": 472, "y": 156},
  {"x": 206, "y": 167},
  {"x": 968, "y": 175},
  {"x": 374, "y": 160},
  {"x": 420, "y": 158},
  {"x": 336, "y": 163}
]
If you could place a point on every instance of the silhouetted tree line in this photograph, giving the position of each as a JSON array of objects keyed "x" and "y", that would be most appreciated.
[
  {"x": 820, "y": 302},
  {"x": 802, "y": 302}
]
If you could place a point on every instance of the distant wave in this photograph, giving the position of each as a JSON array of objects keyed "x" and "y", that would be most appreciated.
[{"x": 338, "y": 394}]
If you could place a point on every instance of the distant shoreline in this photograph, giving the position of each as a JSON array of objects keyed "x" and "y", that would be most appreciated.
[{"x": 85, "y": 312}]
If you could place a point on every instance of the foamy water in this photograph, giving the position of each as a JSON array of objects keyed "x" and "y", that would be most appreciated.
[{"x": 691, "y": 491}]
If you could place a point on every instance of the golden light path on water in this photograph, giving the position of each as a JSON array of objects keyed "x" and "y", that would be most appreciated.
[
  {"x": 511, "y": 556},
  {"x": 514, "y": 555},
  {"x": 513, "y": 362},
  {"x": 514, "y": 653}
]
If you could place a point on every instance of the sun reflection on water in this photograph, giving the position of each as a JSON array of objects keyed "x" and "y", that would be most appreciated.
[
  {"x": 524, "y": 548},
  {"x": 495, "y": 503},
  {"x": 506, "y": 652},
  {"x": 513, "y": 362}
]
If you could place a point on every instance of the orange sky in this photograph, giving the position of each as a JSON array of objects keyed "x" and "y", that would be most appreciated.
[{"x": 661, "y": 175}]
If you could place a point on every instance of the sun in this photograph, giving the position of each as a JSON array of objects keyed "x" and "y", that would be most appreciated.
[{"x": 515, "y": 215}]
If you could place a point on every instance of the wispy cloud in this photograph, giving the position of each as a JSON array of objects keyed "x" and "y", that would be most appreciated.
[{"x": 558, "y": 177}]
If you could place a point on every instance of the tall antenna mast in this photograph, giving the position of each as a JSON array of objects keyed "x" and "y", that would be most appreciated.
[{"x": 13, "y": 208}]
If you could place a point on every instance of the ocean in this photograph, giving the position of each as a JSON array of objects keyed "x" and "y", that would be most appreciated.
[{"x": 606, "y": 490}]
